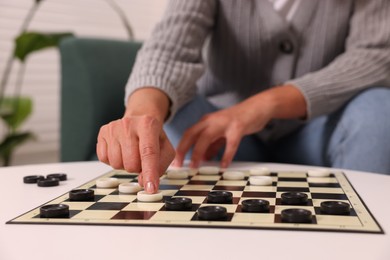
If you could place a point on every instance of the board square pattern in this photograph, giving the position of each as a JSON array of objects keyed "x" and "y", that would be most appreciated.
[{"x": 113, "y": 208}]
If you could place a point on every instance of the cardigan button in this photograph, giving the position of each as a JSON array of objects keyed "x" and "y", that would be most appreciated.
[{"x": 286, "y": 46}]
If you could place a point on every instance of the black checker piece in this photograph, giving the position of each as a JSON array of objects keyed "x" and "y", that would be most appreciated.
[
  {"x": 178, "y": 203},
  {"x": 54, "y": 211},
  {"x": 296, "y": 216}
]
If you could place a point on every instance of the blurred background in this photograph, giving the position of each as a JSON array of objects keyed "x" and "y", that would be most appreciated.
[{"x": 41, "y": 82}]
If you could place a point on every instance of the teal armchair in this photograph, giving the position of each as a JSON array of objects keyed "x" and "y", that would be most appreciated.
[{"x": 94, "y": 74}]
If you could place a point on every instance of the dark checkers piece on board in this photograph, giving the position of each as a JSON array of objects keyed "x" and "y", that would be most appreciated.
[
  {"x": 220, "y": 197},
  {"x": 82, "y": 195},
  {"x": 178, "y": 203},
  {"x": 255, "y": 205},
  {"x": 32, "y": 178},
  {"x": 48, "y": 182},
  {"x": 54, "y": 211},
  {"x": 294, "y": 198},
  {"x": 296, "y": 216},
  {"x": 60, "y": 176},
  {"x": 335, "y": 208},
  {"x": 212, "y": 213}
]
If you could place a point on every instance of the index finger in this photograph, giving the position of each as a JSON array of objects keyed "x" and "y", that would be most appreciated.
[{"x": 149, "y": 149}]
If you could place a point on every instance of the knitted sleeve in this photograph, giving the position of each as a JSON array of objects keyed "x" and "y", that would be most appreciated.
[
  {"x": 365, "y": 62},
  {"x": 171, "y": 59}
]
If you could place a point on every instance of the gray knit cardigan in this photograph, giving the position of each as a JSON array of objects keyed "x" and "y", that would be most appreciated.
[{"x": 229, "y": 50}]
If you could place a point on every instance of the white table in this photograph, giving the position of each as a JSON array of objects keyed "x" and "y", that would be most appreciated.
[{"x": 112, "y": 242}]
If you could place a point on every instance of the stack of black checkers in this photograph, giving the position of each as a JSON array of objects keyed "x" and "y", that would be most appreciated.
[
  {"x": 213, "y": 212},
  {"x": 49, "y": 181},
  {"x": 295, "y": 215}
]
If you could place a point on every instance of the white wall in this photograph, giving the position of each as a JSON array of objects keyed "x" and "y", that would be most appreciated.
[{"x": 90, "y": 18}]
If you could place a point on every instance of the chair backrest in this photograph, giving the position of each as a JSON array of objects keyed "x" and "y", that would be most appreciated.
[{"x": 94, "y": 74}]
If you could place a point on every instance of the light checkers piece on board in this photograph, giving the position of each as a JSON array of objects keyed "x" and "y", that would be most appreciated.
[
  {"x": 142, "y": 196},
  {"x": 233, "y": 175},
  {"x": 107, "y": 183},
  {"x": 177, "y": 174},
  {"x": 129, "y": 187},
  {"x": 260, "y": 180},
  {"x": 209, "y": 170},
  {"x": 293, "y": 201}
]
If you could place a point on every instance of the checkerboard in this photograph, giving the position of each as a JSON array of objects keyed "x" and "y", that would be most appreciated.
[{"x": 113, "y": 208}]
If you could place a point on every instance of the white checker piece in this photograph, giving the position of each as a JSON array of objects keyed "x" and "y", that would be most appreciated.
[
  {"x": 318, "y": 172},
  {"x": 233, "y": 175},
  {"x": 129, "y": 187},
  {"x": 208, "y": 170},
  {"x": 146, "y": 197},
  {"x": 260, "y": 180},
  {"x": 206, "y": 178},
  {"x": 107, "y": 183},
  {"x": 177, "y": 174}
]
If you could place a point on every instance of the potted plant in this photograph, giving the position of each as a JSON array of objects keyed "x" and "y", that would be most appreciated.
[{"x": 15, "y": 109}]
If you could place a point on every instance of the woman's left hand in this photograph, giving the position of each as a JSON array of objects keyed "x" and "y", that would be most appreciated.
[{"x": 228, "y": 126}]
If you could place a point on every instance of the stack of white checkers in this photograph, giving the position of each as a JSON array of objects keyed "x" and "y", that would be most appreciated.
[{"x": 257, "y": 176}]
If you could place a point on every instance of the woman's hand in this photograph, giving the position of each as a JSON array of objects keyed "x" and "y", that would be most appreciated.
[
  {"x": 228, "y": 126},
  {"x": 137, "y": 142}
]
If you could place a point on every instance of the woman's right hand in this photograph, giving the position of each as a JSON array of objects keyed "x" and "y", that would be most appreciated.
[{"x": 137, "y": 142}]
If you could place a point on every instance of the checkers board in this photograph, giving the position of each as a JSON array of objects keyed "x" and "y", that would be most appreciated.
[{"x": 113, "y": 208}]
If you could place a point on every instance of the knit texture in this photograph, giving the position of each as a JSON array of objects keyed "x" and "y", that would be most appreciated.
[{"x": 229, "y": 50}]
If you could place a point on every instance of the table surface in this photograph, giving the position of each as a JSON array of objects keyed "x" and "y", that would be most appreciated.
[{"x": 110, "y": 242}]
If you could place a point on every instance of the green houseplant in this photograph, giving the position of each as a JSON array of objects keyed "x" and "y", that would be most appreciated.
[{"x": 15, "y": 109}]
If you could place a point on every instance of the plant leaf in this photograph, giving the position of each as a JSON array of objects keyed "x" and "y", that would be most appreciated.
[
  {"x": 10, "y": 142},
  {"x": 29, "y": 42},
  {"x": 15, "y": 110}
]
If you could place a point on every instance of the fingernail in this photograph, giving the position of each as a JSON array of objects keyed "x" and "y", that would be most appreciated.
[{"x": 150, "y": 187}]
